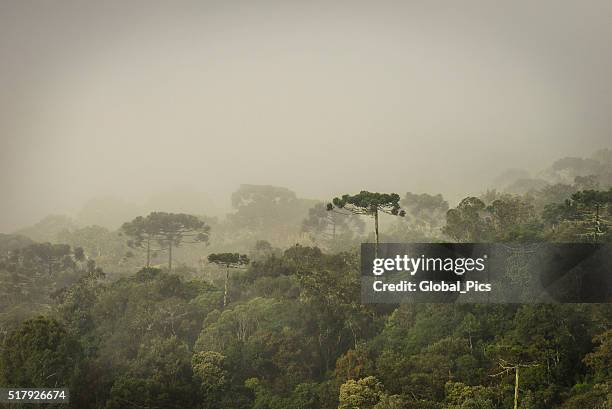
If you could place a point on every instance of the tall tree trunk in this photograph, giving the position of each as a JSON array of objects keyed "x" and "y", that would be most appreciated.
[
  {"x": 225, "y": 287},
  {"x": 516, "y": 387},
  {"x": 597, "y": 229},
  {"x": 376, "y": 232},
  {"x": 170, "y": 256}
]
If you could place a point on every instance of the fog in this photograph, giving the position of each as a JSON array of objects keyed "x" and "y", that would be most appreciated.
[{"x": 130, "y": 99}]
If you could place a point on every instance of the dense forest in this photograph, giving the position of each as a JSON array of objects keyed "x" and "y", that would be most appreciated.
[{"x": 134, "y": 307}]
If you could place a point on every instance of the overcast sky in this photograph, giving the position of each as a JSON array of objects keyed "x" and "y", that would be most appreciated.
[{"x": 128, "y": 98}]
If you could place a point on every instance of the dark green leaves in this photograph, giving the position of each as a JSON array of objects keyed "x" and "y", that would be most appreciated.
[
  {"x": 229, "y": 259},
  {"x": 369, "y": 203}
]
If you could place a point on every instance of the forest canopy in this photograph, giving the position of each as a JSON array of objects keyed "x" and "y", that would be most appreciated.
[{"x": 261, "y": 309}]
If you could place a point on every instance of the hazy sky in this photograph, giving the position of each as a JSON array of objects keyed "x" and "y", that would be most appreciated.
[{"x": 128, "y": 98}]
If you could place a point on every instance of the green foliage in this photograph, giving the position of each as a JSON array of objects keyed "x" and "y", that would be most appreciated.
[
  {"x": 207, "y": 366},
  {"x": 306, "y": 396},
  {"x": 229, "y": 259},
  {"x": 156, "y": 339},
  {"x": 159, "y": 376},
  {"x": 295, "y": 334},
  {"x": 167, "y": 229},
  {"x": 364, "y": 393},
  {"x": 600, "y": 360},
  {"x": 40, "y": 353},
  {"x": 506, "y": 219},
  {"x": 462, "y": 396},
  {"x": 468, "y": 221},
  {"x": 584, "y": 217},
  {"x": 390, "y": 402},
  {"x": 33, "y": 277},
  {"x": 369, "y": 203},
  {"x": 593, "y": 198},
  {"x": 586, "y": 396}
]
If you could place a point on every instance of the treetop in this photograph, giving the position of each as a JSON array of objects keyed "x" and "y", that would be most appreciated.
[
  {"x": 229, "y": 259},
  {"x": 368, "y": 203}
]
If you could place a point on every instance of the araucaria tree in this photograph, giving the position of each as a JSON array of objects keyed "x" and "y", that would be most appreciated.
[
  {"x": 369, "y": 204},
  {"x": 328, "y": 225},
  {"x": 168, "y": 229},
  {"x": 142, "y": 233},
  {"x": 228, "y": 260},
  {"x": 591, "y": 206}
]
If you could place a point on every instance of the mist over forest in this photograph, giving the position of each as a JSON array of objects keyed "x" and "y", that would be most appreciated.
[
  {"x": 133, "y": 100},
  {"x": 185, "y": 187},
  {"x": 259, "y": 308}
]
